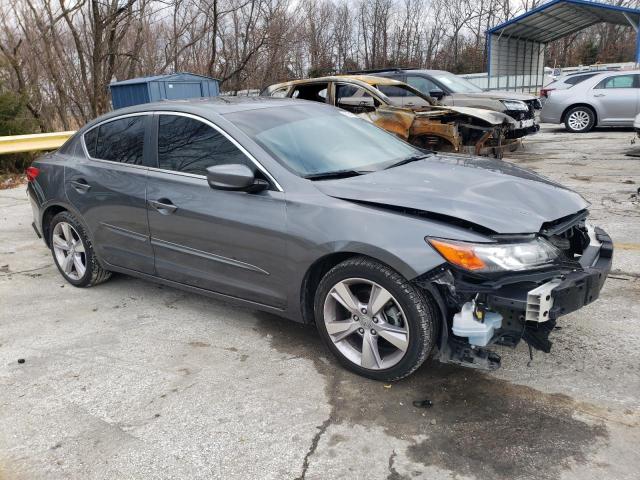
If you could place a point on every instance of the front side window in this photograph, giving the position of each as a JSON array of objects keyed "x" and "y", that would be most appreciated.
[
  {"x": 422, "y": 84},
  {"x": 392, "y": 91},
  {"x": 120, "y": 140},
  {"x": 455, "y": 83},
  {"x": 620, "y": 81},
  {"x": 190, "y": 146},
  {"x": 402, "y": 93},
  {"x": 354, "y": 98}
]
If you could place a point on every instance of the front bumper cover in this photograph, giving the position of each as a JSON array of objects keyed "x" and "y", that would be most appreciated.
[
  {"x": 571, "y": 287},
  {"x": 576, "y": 288}
]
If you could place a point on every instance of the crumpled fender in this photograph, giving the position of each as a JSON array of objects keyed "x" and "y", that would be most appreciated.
[{"x": 490, "y": 116}]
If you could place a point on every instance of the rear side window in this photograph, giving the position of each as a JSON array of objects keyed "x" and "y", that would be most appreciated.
[
  {"x": 578, "y": 78},
  {"x": 120, "y": 140},
  {"x": 280, "y": 93},
  {"x": 316, "y": 92},
  {"x": 620, "y": 81},
  {"x": 190, "y": 146}
]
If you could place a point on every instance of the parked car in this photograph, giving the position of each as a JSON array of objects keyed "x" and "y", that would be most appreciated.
[
  {"x": 309, "y": 212},
  {"x": 567, "y": 81},
  {"x": 401, "y": 109},
  {"x": 451, "y": 89},
  {"x": 636, "y": 124},
  {"x": 610, "y": 99}
]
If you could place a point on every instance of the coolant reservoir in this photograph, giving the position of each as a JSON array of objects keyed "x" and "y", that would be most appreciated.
[{"x": 479, "y": 333}]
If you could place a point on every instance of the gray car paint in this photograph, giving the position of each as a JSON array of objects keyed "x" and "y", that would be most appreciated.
[
  {"x": 513, "y": 200},
  {"x": 259, "y": 248}
]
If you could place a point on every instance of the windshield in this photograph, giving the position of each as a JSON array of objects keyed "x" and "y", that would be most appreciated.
[
  {"x": 455, "y": 83},
  {"x": 313, "y": 139}
]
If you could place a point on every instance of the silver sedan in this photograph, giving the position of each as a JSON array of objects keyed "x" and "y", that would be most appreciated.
[{"x": 610, "y": 99}]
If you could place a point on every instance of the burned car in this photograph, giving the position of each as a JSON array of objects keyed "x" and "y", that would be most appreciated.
[
  {"x": 404, "y": 111},
  {"x": 451, "y": 89},
  {"x": 312, "y": 213}
]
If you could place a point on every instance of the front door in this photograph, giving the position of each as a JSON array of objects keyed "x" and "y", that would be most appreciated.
[
  {"x": 616, "y": 99},
  {"x": 223, "y": 241},
  {"x": 107, "y": 187}
]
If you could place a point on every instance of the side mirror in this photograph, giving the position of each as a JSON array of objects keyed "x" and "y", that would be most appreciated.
[
  {"x": 436, "y": 93},
  {"x": 234, "y": 177}
]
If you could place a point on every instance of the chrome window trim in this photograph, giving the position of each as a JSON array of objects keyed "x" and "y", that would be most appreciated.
[
  {"x": 86, "y": 151},
  {"x": 246, "y": 153},
  {"x": 258, "y": 165}
]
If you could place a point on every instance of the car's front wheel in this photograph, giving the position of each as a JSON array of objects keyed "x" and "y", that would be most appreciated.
[
  {"x": 376, "y": 322},
  {"x": 73, "y": 252},
  {"x": 580, "y": 119}
]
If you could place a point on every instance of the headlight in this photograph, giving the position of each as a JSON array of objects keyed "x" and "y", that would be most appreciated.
[
  {"x": 497, "y": 257},
  {"x": 515, "y": 105}
]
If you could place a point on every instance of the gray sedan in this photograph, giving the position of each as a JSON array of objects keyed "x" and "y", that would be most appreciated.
[
  {"x": 609, "y": 99},
  {"x": 309, "y": 212}
]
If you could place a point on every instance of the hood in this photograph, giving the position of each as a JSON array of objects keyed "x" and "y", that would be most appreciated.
[
  {"x": 490, "y": 116},
  {"x": 499, "y": 95},
  {"x": 496, "y": 195}
]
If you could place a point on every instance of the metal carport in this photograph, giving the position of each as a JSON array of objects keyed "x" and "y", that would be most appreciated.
[{"x": 516, "y": 47}]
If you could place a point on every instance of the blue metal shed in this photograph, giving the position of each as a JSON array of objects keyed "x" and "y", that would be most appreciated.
[{"x": 174, "y": 86}]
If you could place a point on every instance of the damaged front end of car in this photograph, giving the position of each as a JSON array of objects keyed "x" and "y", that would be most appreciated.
[
  {"x": 515, "y": 288},
  {"x": 447, "y": 129},
  {"x": 478, "y": 132}
]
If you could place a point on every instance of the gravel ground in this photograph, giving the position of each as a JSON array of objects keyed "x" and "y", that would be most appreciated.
[{"x": 135, "y": 380}]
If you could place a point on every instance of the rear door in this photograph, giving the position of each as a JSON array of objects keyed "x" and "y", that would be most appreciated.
[
  {"x": 107, "y": 186},
  {"x": 223, "y": 241},
  {"x": 616, "y": 99}
]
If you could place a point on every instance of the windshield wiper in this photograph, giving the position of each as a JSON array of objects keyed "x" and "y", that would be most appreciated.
[
  {"x": 404, "y": 161},
  {"x": 336, "y": 174}
]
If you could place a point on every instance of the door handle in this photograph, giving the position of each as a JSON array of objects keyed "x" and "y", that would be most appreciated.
[
  {"x": 163, "y": 205},
  {"x": 80, "y": 185},
  {"x": 599, "y": 95}
]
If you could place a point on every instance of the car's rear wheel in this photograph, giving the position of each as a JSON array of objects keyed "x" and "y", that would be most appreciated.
[
  {"x": 579, "y": 119},
  {"x": 377, "y": 323},
  {"x": 73, "y": 252}
]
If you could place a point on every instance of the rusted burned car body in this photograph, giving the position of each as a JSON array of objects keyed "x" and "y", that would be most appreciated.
[{"x": 403, "y": 110}]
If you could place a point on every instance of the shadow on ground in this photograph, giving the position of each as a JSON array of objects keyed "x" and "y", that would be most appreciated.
[{"x": 478, "y": 425}]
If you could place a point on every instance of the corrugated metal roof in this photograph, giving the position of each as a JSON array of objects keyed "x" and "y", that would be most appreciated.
[
  {"x": 172, "y": 77},
  {"x": 560, "y": 18}
]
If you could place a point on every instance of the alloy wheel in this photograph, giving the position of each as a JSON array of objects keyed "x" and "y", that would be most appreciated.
[
  {"x": 579, "y": 120},
  {"x": 69, "y": 250},
  {"x": 366, "y": 323}
]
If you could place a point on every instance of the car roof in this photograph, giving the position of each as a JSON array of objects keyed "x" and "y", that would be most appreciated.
[
  {"x": 205, "y": 107},
  {"x": 368, "y": 79},
  {"x": 586, "y": 72}
]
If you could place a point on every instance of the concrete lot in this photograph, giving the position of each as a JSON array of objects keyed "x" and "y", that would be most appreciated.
[{"x": 134, "y": 380}]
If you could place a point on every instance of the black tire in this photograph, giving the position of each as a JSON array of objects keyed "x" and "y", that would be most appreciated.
[
  {"x": 582, "y": 112},
  {"x": 94, "y": 273},
  {"x": 419, "y": 310}
]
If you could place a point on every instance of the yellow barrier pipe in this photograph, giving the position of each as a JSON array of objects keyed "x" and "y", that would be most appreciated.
[{"x": 36, "y": 142}]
